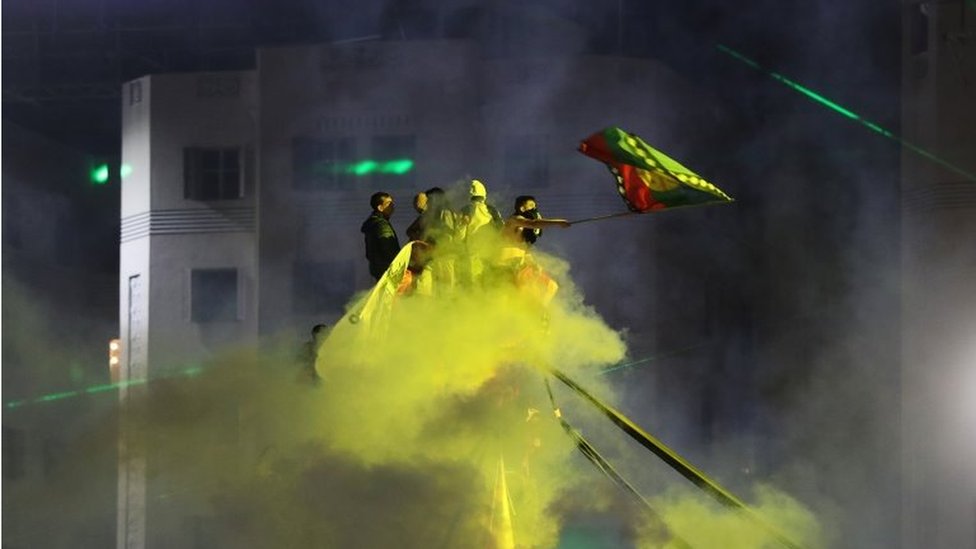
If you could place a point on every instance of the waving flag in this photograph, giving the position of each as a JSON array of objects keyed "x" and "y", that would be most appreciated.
[{"x": 648, "y": 179}]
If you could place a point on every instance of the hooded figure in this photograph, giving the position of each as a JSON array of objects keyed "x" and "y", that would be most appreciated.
[{"x": 479, "y": 212}]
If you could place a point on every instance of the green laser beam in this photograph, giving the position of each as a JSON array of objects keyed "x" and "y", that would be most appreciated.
[
  {"x": 397, "y": 167},
  {"x": 195, "y": 370},
  {"x": 362, "y": 168},
  {"x": 816, "y": 97},
  {"x": 99, "y": 174},
  {"x": 94, "y": 389},
  {"x": 652, "y": 358}
]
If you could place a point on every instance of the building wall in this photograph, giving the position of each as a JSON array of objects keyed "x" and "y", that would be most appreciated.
[
  {"x": 166, "y": 237},
  {"x": 939, "y": 266}
]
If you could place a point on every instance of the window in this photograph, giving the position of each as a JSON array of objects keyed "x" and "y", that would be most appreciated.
[
  {"x": 212, "y": 173},
  {"x": 918, "y": 31},
  {"x": 322, "y": 163},
  {"x": 213, "y": 295},
  {"x": 526, "y": 163},
  {"x": 319, "y": 287},
  {"x": 135, "y": 92},
  {"x": 394, "y": 156},
  {"x": 219, "y": 85},
  {"x": 14, "y": 447}
]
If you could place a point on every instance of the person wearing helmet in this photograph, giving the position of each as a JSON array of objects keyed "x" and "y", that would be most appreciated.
[
  {"x": 479, "y": 212},
  {"x": 482, "y": 223}
]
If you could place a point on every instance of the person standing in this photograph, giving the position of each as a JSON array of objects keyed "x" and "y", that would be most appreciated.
[
  {"x": 310, "y": 353},
  {"x": 382, "y": 244},
  {"x": 522, "y": 229},
  {"x": 525, "y": 223},
  {"x": 416, "y": 229},
  {"x": 479, "y": 213}
]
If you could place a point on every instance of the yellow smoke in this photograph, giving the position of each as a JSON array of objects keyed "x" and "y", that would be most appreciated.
[
  {"x": 703, "y": 523},
  {"x": 431, "y": 428},
  {"x": 455, "y": 377}
]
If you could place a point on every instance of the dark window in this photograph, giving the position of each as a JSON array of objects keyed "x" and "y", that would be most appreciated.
[
  {"x": 319, "y": 287},
  {"x": 211, "y": 173},
  {"x": 213, "y": 295},
  {"x": 394, "y": 156},
  {"x": 322, "y": 163},
  {"x": 135, "y": 93},
  {"x": 219, "y": 85},
  {"x": 918, "y": 29},
  {"x": 526, "y": 163},
  {"x": 14, "y": 448}
]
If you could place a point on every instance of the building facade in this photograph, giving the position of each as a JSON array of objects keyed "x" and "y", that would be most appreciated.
[{"x": 939, "y": 276}]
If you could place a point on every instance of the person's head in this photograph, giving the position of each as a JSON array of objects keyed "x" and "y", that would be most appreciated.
[
  {"x": 478, "y": 191},
  {"x": 525, "y": 203},
  {"x": 319, "y": 331},
  {"x": 383, "y": 203},
  {"x": 436, "y": 199},
  {"x": 420, "y": 202}
]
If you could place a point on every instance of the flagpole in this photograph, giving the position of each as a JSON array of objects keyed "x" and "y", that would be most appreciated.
[
  {"x": 662, "y": 210},
  {"x": 599, "y": 217},
  {"x": 675, "y": 461}
]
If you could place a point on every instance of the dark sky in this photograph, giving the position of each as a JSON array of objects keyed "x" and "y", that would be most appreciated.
[{"x": 63, "y": 62}]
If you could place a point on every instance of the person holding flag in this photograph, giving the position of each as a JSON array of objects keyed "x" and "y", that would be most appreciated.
[{"x": 519, "y": 233}]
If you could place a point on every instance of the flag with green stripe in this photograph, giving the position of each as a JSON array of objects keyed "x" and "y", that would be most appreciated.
[{"x": 647, "y": 179}]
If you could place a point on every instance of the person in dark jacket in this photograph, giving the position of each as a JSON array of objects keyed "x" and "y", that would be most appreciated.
[
  {"x": 416, "y": 229},
  {"x": 382, "y": 244}
]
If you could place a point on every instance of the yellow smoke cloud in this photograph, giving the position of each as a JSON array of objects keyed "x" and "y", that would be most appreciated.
[
  {"x": 455, "y": 377},
  {"x": 408, "y": 437},
  {"x": 703, "y": 523}
]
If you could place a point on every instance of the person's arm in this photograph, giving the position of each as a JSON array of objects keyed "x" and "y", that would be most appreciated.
[{"x": 523, "y": 223}]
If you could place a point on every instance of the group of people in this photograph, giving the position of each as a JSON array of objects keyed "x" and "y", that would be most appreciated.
[
  {"x": 475, "y": 236},
  {"x": 477, "y": 232}
]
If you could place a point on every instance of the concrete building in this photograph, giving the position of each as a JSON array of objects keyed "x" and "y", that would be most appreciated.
[
  {"x": 240, "y": 221},
  {"x": 188, "y": 275},
  {"x": 938, "y": 414}
]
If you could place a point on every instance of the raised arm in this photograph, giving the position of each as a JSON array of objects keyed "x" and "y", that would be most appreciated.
[{"x": 523, "y": 223}]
